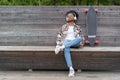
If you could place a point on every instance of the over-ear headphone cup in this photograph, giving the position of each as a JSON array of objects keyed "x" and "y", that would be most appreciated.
[
  {"x": 75, "y": 18},
  {"x": 66, "y": 19}
]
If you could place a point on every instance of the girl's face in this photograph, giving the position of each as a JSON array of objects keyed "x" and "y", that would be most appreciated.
[{"x": 70, "y": 17}]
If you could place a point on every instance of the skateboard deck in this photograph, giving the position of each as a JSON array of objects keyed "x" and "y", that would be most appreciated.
[{"x": 91, "y": 25}]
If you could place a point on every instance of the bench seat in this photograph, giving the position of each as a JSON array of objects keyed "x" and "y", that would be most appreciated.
[{"x": 51, "y": 48}]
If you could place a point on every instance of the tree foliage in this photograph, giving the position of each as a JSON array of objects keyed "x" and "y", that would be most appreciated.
[{"x": 59, "y": 2}]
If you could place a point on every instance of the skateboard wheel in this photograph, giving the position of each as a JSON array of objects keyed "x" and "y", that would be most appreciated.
[
  {"x": 96, "y": 10},
  {"x": 86, "y": 42},
  {"x": 96, "y": 41},
  {"x": 86, "y": 10}
]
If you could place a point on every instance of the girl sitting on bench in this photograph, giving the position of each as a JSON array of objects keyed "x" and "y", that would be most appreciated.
[{"x": 70, "y": 35}]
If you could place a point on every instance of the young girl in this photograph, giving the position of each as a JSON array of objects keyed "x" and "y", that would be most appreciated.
[{"x": 70, "y": 35}]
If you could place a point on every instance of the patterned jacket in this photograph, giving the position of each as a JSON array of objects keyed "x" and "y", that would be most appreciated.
[{"x": 63, "y": 32}]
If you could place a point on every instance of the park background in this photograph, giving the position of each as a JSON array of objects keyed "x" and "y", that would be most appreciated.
[{"x": 59, "y": 2}]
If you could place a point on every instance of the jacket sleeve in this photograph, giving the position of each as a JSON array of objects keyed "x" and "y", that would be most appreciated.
[{"x": 59, "y": 37}]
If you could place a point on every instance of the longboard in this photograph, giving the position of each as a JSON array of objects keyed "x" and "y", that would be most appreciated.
[{"x": 91, "y": 26}]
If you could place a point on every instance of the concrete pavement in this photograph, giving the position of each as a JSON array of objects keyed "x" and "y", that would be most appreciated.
[{"x": 59, "y": 75}]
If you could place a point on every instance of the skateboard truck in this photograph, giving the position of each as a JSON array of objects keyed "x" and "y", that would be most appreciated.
[
  {"x": 87, "y": 42},
  {"x": 86, "y": 10}
]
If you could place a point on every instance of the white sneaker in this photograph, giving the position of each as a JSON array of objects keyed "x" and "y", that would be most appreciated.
[
  {"x": 58, "y": 49},
  {"x": 71, "y": 73}
]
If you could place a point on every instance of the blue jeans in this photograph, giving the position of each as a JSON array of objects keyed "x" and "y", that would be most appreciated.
[{"x": 68, "y": 44}]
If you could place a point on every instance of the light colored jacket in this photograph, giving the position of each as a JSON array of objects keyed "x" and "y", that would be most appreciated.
[{"x": 63, "y": 33}]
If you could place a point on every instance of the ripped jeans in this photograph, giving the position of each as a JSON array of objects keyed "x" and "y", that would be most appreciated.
[{"x": 68, "y": 44}]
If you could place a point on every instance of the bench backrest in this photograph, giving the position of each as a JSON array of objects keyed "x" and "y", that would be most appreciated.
[{"x": 38, "y": 25}]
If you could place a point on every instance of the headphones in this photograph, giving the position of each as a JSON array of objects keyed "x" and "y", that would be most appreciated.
[
  {"x": 75, "y": 18},
  {"x": 72, "y": 12}
]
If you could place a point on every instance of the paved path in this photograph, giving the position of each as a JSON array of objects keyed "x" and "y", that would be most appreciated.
[{"x": 59, "y": 75}]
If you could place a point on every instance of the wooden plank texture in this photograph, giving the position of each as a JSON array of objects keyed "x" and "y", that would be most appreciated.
[
  {"x": 19, "y": 22},
  {"x": 97, "y": 58}
]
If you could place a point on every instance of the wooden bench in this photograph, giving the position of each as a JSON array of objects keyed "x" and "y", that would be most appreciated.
[{"x": 28, "y": 34}]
